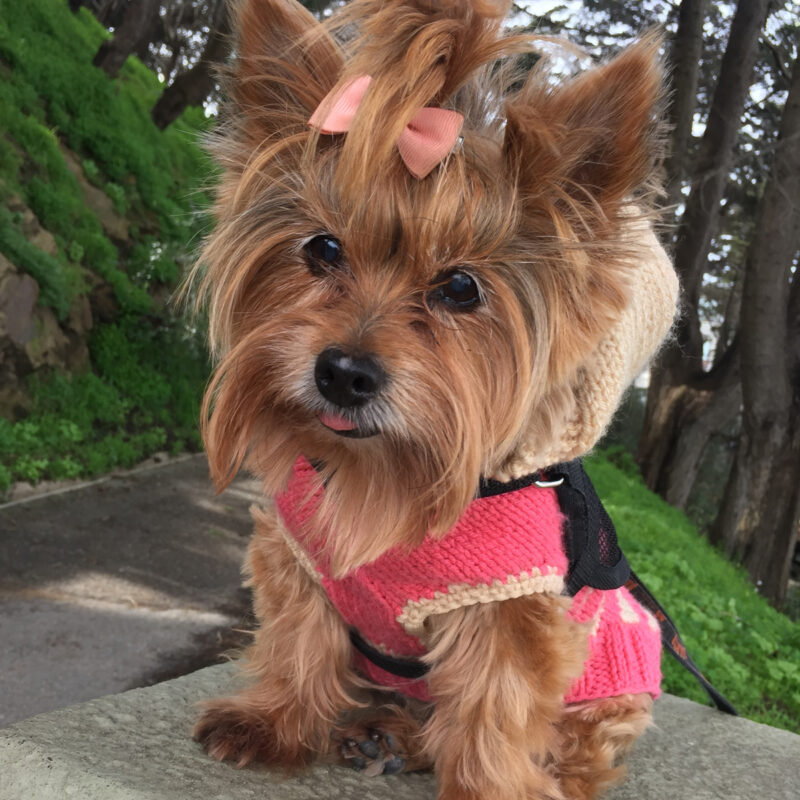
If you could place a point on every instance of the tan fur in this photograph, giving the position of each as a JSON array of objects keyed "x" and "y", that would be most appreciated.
[
  {"x": 534, "y": 205},
  {"x": 298, "y": 665}
]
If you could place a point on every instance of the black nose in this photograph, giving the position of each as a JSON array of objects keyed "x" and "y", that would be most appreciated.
[{"x": 345, "y": 380}]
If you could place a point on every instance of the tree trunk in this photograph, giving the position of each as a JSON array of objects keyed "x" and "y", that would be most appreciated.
[
  {"x": 193, "y": 86},
  {"x": 760, "y": 512},
  {"x": 714, "y": 159},
  {"x": 685, "y": 53},
  {"x": 678, "y": 375},
  {"x": 136, "y": 26},
  {"x": 761, "y": 508},
  {"x": 686, "y": 416}
]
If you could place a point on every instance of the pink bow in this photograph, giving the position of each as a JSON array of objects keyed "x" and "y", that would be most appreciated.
[{"x": 425, "y": 142}]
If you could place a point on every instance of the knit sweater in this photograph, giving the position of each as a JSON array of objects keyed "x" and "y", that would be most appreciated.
[{"x": 503, "y": 546}]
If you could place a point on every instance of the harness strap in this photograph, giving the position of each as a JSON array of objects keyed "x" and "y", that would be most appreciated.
[
  {"x": 595, "y": 558},
  {"x": 411, "y": 668}
]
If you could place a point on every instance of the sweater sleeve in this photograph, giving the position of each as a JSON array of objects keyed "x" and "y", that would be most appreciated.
[{"x": 598, "y": 385}]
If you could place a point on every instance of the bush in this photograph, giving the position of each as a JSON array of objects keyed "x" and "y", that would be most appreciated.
[{"x": 144, "y": 397}]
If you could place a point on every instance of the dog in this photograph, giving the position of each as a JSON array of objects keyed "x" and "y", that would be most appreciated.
[{"x": 432, "y": 276}]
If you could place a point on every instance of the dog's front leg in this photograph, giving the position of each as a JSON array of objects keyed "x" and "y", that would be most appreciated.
[
  {"x": 499, "y": 675},
  {"x": 300, "y": 660}
]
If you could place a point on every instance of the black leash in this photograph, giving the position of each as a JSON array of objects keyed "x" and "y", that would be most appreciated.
[
  {"x": 672, "y": 642},
  {"x": 595, "y": 560}
]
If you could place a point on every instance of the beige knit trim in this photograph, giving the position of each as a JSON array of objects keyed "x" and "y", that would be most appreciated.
[
  {"x": 305, "y": 561},
  {"x": 415, "y": 612},
  {"x": 626, "y": 610}
]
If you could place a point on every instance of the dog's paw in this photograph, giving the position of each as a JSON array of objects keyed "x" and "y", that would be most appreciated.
[
  {"x": 373, "y": 752},
  {"x": 382, "y": 744},
  {"x": 230, "y": 731}
]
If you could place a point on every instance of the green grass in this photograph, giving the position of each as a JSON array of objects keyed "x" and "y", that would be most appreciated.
[
  {"x": 748, "y": 650},
  {"x": 148, "y": 367}
]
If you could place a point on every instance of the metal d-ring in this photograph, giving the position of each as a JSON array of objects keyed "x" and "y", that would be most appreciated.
[{"x": 548, "y": 484}]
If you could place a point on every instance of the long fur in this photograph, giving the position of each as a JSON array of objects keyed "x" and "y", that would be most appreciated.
[{"x": 534, "y": 203}]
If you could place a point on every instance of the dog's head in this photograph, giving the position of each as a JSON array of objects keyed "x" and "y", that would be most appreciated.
[{"x": 410, "y": 333}]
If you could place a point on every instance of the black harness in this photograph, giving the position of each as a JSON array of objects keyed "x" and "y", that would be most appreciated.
[{"x": 595, "y": 560}]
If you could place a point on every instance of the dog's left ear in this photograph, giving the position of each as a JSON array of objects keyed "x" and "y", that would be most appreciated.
[
  {"x": 591, "y": 143},
  {"x": 285, "y": 64}
]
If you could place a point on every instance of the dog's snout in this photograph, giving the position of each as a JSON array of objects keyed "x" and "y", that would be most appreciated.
[{"x": 346, "y": 380}]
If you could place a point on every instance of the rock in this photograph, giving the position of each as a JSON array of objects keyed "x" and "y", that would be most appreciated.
[
  {"x": 115, "y": 225},
  {"x": 48, "y": 346},
  {"x": 18, "y": 296}
]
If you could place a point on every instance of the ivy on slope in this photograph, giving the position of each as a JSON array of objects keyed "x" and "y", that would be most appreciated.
[
  {"x": 148, "y": 367},
  {"x": 746, "y": 648}
]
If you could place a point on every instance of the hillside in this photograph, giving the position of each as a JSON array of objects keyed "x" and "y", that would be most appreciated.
[{"x": 99, "y": 213}]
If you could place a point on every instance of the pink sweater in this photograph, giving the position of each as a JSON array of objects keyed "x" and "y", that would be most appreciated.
[{"x": 503, "y": 546}]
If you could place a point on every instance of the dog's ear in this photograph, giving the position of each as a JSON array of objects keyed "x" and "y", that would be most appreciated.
[
  {"x": 589, "y": 144},
  {"x": 584, "y": 157},
  {"x": 285, "y": 64}
]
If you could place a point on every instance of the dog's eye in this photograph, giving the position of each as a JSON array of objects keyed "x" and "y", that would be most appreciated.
[
  {"x": 323, "y": 253},
  {"x": 457, "y": 289}
]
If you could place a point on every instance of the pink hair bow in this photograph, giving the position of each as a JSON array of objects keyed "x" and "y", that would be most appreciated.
[{"x": 425, "y": 142}]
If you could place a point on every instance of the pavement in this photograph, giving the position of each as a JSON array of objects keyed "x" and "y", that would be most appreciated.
[
  {"x": 137, "y": 746},
  {"x": 119, "y": 584}
]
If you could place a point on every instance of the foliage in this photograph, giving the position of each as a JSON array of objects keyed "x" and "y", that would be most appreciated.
[
  {"x": 143, "y": 396},
  {"x": 59, "y": 281},
  {"x": 148, "y": 368},
  {"x": 154, "y": 175},
  {"x": 747, "y": 649}
]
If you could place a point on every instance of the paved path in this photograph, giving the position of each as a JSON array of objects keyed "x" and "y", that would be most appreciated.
[{"x": 119, "y": 584}]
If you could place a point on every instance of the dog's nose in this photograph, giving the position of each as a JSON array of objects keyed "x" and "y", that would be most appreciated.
[{"x": 348, "y": 381}]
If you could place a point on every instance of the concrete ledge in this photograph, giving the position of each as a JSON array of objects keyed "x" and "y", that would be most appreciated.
[{"x": 136, "y": 745}]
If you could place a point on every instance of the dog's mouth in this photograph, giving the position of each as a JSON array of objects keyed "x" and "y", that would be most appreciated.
[{"x": 342, "y": 426}]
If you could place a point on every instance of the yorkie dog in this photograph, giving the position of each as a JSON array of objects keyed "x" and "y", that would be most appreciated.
[{"x": 432, "y": 277}]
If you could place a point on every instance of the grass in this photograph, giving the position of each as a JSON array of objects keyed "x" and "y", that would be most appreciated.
[{"x": 748, "y": 650}]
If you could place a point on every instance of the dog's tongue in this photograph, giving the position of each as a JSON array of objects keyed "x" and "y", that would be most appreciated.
[{"x": 336, "y": 423}]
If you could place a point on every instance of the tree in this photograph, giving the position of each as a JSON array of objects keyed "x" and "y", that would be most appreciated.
[
  {"x": 138, "y": 26},
  {"x": 685, "y": 402},
  {"x": 758, "y": 520},
  {"x": 685, "y": 54},
  {"x": 194, "y": 85}
]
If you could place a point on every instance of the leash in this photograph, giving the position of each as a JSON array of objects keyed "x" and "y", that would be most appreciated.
[
  {"x": 673, "y": 644},
  {"x": 595, "y": 560}
]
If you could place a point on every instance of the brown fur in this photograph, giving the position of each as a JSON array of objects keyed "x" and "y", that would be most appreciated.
[{"x": 534, "y": 205}]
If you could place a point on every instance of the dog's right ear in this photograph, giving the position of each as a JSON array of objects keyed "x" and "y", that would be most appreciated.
[{"x": 285, "y": 64}]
